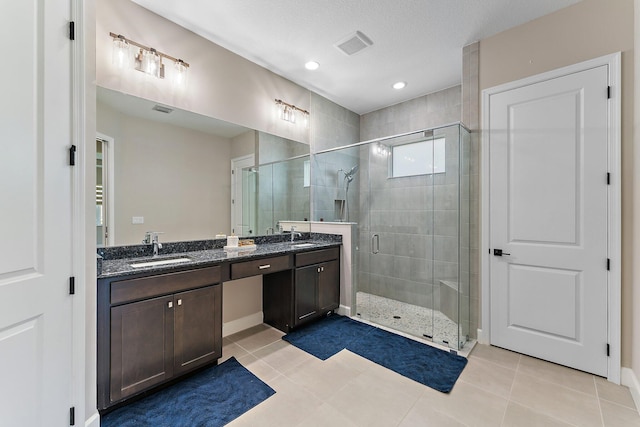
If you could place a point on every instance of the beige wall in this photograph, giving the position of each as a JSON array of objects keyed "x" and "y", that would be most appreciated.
[
  {"x": 178, "y": 179},
  {"x": 244, "y": 144},
  {"x": 587, "y": 30},
  {"x": 221, "y": 84},
  {"x": 635, "y": 231}
]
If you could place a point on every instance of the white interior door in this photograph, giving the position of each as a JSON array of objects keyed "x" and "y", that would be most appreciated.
[
  {"x": 35, "y": 218},
  {"x": 548, "y": 214},
  {"x": 239, "y": 225}
]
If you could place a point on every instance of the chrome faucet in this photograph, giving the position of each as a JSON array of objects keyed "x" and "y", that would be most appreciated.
[
  {"x": 152, "y": 237},
  {"x": 294, "y": 233}
]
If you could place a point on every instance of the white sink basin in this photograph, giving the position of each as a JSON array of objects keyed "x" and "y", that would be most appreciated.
[
  {"x": 159, "y": 262},
  {"x": 303, "y": 245}
]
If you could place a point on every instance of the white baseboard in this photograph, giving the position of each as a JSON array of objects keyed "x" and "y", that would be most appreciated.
[
  {"x": 242, "y": 323},
  {"x": 482, "y": 337},
  {"x": 93, "y": 421},
  {"x": 628, "y": 378},
  {"x": 343, "y": 310}
]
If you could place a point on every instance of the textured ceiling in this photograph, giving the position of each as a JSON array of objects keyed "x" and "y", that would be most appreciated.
[{"x": 417, "y": 41}]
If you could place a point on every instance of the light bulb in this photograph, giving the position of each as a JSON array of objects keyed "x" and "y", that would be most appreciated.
[
  {"x": 120, "y": 53},
  {"x": 180, "y": 75}
]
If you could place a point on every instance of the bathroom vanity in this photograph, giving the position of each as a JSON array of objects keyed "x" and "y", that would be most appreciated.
[{"x": 161, "y": 317}]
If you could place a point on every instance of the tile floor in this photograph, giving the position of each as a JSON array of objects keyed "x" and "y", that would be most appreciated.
[{"x": 497, "y": 388}]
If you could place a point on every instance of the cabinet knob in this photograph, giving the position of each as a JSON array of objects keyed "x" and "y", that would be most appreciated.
[
  {"x": 318, "y": 269},
  {"x": 170, "y": 304},
  {"x": 180, "y": 301},
  {"x": 321, "y": 268}
]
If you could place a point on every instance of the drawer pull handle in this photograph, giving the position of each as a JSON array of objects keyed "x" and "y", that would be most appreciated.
[
  {"x": 180, "y": 301},
  {"x": 262, "y": 267},
  {"x": 170, "y": 304}
]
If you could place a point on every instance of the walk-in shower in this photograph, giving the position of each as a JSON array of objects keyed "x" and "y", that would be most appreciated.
[{"x": 411, "y": 204}]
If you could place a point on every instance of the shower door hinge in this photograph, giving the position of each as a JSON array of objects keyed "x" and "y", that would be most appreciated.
[
  {"x": 72, "y": 285},
  {"x": 608, "y": 350},
  {"x": 72, "y": 155},
  {"x": 608, "y": 178},
  {"x": 72, "y": 416},
  {"x": 608, "y": 92},
  {"x": 72, "y": 30},
  {"x": 608, "y": 264}
]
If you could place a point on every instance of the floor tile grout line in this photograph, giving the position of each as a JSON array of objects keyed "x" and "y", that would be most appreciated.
[
  {"x": 558, "y": 385},
  {"x": 593, "y": 378},
  {"x": 533, "y": 409},
  {"x": 513, "y": 383}
]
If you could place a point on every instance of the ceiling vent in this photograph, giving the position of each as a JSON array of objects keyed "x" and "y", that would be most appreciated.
[
  {"x": 162, "y": 108},
  {"x": 354, "y": 43}
]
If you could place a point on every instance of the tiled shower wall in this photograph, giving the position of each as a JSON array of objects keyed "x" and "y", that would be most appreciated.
[
  {"x": 418, "y": 218},
  {"x": 332, "y": 126}
]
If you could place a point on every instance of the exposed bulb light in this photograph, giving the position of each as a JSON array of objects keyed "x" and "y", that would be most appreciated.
[
  {"x": 311, "y": 65},
  {"x": 399, "y": 85},
  {"x": 121, "y": 55},
  {"x": 180, "y": 77},
  {"x": 151, "y": 63},
  {"x": 288, "y": 112},
  {"x": 148, "y": 60}
]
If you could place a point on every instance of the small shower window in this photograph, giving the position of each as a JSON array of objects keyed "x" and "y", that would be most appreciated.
[{"x": 418, "y": 158}]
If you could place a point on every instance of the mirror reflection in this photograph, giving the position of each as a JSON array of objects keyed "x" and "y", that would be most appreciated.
[{"x": 189, "y": 176}]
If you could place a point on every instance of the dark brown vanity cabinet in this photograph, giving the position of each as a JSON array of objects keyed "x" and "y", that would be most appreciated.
[
  {"x": 158, "y": 328},
  {"x": 317, "y": 284},
  {"x": 310, "y": 291}
]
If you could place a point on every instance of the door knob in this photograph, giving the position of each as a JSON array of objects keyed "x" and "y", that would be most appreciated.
[{"x": 498, "y": 252}]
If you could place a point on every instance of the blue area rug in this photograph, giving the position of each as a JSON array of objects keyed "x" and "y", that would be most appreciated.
[
  {"x": 428, "y": 365},
  {"x": 211, "y": 398}
]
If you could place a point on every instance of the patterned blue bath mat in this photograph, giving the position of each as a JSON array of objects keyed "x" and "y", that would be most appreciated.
[
  {"x": 428, "y": 365},
  {"x": 211, "y": 398}
]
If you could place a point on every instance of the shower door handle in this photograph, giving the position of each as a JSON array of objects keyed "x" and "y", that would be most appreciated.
[{"x": 375, "y": 243}]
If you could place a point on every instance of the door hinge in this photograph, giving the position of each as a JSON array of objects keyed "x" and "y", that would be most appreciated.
[
  {"x": 608, "y": 92},
  {"x": 72, "y": 285},
  {"x": 72, "y": 155},
  {"x": 608, "y": 264},
  {"x": 608, "y": 350},
  {"x": 72, "y": 30},
  {"x": 72, "y": 416},
  {"x": 608, "y": 178}
]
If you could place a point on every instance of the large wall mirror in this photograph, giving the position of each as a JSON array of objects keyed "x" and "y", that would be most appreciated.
[{"x": 190, "y": 176}]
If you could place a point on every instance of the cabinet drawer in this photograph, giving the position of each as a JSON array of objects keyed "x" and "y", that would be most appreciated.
[
  {"x": 314, "y": 257},
  {"x": 162, "y": 284},
  {"x": 260, "y": 266}
]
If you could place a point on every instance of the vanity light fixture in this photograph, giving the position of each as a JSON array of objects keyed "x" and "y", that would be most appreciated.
[
  {"x": 146, "y": 59},
  {"x": 288, "y": 112}
]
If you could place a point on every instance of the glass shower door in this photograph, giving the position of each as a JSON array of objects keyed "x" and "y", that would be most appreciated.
[{"x": 395, "y": 247}]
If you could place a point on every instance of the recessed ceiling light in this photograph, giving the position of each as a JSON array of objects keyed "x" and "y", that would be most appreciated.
[
  {"x": 399, "y": 85},
  {"x": 311, "y": 65}
]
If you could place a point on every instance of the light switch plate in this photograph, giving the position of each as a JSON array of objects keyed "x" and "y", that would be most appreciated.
[{"x": 137, "y": 220}]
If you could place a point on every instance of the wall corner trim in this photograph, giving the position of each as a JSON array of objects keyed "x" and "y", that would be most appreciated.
[{"x": 629, "y": 379}]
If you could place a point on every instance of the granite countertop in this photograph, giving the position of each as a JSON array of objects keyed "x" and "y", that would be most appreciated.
[{"x": 117, "y": 261}]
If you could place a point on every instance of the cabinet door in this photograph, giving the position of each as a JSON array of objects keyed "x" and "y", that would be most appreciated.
[
  {"x": 141, "y": 345},
  {"x": 305, "y": 295},
  {"x": 329, "y": 286},
  {"x": 198, "y": 330}
]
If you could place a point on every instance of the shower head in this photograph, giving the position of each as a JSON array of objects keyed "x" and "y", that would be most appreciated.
[{"x": 349, "y": 175}]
